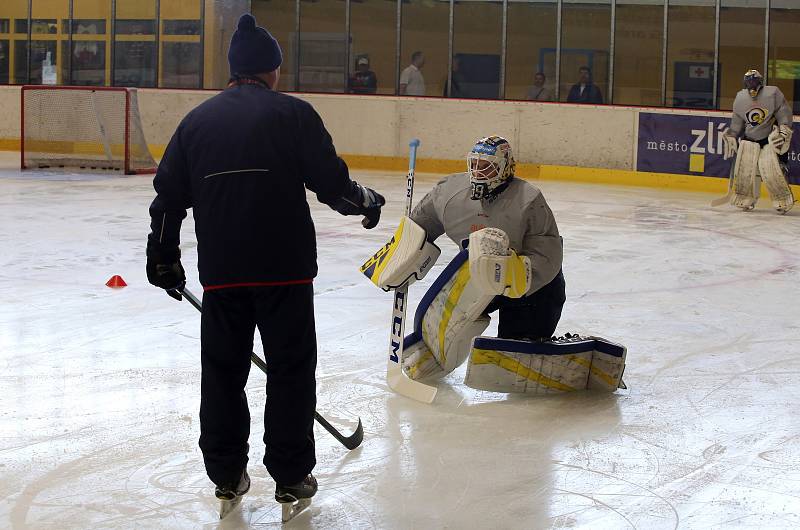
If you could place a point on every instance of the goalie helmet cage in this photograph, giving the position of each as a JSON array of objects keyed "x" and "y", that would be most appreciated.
[{"x": 83, "y": 127}]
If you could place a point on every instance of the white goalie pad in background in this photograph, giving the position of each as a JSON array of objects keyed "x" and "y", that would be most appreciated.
[
  {"x": 746, "y": 185},
  {"x": 406, "y": 258},
  {"x": 552, "y": 367},
  {"x": 771, "y": 171},
  {"x": 447, "y": 318}
]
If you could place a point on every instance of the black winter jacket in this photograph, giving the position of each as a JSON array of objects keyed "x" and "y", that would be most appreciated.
[{"x": 242, "y": 161}]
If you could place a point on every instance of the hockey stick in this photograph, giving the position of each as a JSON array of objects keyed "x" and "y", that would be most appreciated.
[
  {"x": 350, "y": 442},
  {"x": 395, "y": 377},
  {"x": 727, "y": 198}
]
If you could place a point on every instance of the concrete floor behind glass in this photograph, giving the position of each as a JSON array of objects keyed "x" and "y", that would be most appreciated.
[{"x": 100, "y": 387}]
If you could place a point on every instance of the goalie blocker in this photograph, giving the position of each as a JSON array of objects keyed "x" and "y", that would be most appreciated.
[{"x": 406, "y": 258}]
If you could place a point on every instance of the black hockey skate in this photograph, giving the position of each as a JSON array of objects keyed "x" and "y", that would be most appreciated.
[
  {"x": 231, "y": 495},
  {"x": 296, "y": 498}
]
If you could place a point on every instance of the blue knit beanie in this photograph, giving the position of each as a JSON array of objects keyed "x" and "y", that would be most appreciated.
[{"x": 253, "y": 50}]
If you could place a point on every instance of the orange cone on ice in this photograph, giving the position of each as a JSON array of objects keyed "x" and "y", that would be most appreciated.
[{"x": 116, "y": 281}]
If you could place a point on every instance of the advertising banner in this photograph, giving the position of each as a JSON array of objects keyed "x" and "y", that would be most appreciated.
[{"x": 691, "y": 144}]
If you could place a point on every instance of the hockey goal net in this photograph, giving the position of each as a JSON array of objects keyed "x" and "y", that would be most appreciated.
[{"x": 83, "y": 127}]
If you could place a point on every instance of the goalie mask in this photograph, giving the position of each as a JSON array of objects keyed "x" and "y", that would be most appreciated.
[
  {"x": 753, "y": 82},
  {"x": 490, "y": 164}
]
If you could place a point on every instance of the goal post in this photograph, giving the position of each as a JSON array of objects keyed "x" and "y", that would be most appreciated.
[{"x": 83, "y": 127}]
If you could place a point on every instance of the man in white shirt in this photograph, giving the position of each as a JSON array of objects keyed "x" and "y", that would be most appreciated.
[{"x": 411, "y": 81}]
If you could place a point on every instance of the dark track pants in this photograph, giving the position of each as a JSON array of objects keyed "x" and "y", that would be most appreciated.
[
  {"x": 285, "y": 319},
  {"x": 534, "y": 316}
]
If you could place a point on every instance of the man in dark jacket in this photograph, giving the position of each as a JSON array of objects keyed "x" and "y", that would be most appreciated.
[
  {"x": 364, "y": 80},
  {"x": 242, "y": 161},
  {"x": 585, "y": 91}
]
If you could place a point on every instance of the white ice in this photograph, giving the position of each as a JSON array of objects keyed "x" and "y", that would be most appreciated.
[{"x": 100, "y": 387}]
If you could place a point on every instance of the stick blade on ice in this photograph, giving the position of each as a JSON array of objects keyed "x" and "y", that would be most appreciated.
[{"x": 400, "y": 383}]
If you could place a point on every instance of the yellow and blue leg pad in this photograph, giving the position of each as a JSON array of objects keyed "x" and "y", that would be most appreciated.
[
  {"x": 447, "y": 318},
  {"x": 552, "y": 367}
]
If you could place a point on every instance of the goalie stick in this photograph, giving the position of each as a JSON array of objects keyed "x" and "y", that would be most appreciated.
[
  {"x": 395, "y": 377},
  {"x": 350, "y": 442},
  {"x": 727, "y": 198}
]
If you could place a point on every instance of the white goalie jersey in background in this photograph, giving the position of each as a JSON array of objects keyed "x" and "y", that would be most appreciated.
[
  {"x": 760, "y": 137},
  {"x": 754, "y": 118}
]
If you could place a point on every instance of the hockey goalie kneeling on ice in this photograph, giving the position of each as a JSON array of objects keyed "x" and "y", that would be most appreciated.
[{"x": 510, "y": 261}]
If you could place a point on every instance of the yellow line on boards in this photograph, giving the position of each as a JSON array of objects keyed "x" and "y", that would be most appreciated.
[{"x": 621, "y": 177}]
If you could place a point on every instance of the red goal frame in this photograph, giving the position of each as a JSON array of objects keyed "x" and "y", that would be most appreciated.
[{"x": 127, "y": 168}]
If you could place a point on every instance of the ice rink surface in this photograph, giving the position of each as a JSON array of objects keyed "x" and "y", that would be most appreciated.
[{"x": 100, "y": 387}]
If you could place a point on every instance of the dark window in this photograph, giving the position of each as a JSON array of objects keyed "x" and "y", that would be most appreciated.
[
  {"x": 41, "y": 52},
  {"x": 424, "y": 30},
  {"x": 531, "y": 52},
  {"x": 373, "y": 36},
  {"x": 784, "y": 50},
  {"x": 638, "y": 45},
  {"x": 477, "y": 36},
  {"x": 89, "y": 63},
  {"x": 135, "y": 64},
  {"x": 741, "y": 45},
  {"x": 322, "y": 46},
  {"x": 44, "y": 26},
  {"x": 136, "y": 27},
  {"x": 20, "y": 61},
  {"x": 181, "y": 27},
  {"x": 4, "y": 25},
  {"x": 690, "y": 54},
  {"x": 85, "y": 27},
  {"x": 5, "y": 62},
  {"x": 182, "y": 65},
  {"x": 585, "y": 40}
]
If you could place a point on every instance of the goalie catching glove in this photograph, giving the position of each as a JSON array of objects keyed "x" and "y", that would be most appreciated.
[
  {"x": 495, "y": 268},
  {"x": 780, "y": 139},
  {"x": 406, "y": 258}
]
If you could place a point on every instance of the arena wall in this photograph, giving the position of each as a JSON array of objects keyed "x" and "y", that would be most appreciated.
[{"x": 551, "y": 141}]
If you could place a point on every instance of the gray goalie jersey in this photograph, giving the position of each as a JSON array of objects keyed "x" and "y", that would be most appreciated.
[
  {"x": 755, "y": 117},
  {"x": 520, "y": 211}
]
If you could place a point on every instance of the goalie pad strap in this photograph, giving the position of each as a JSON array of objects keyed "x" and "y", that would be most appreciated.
[
  {"x": 407, "y": 257},
  {"x": 562, "y": 365}
]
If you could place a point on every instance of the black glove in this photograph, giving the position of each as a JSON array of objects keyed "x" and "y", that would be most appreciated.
[
  {"x": 359, "y": 200},
  {"x": 164, "y": 269}
]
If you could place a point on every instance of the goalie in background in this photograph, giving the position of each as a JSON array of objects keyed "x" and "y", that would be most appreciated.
[
  {"x": 510, "y": 260},
  {"x": 760, "y": 136}
]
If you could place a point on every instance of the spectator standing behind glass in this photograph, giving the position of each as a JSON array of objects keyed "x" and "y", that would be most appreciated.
[
  {"x": 539, "y": 92},
  {"x": 411, "y": 81},
  {"x": 584, "y": 91},
  {"x": 364, "y": 80}
]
